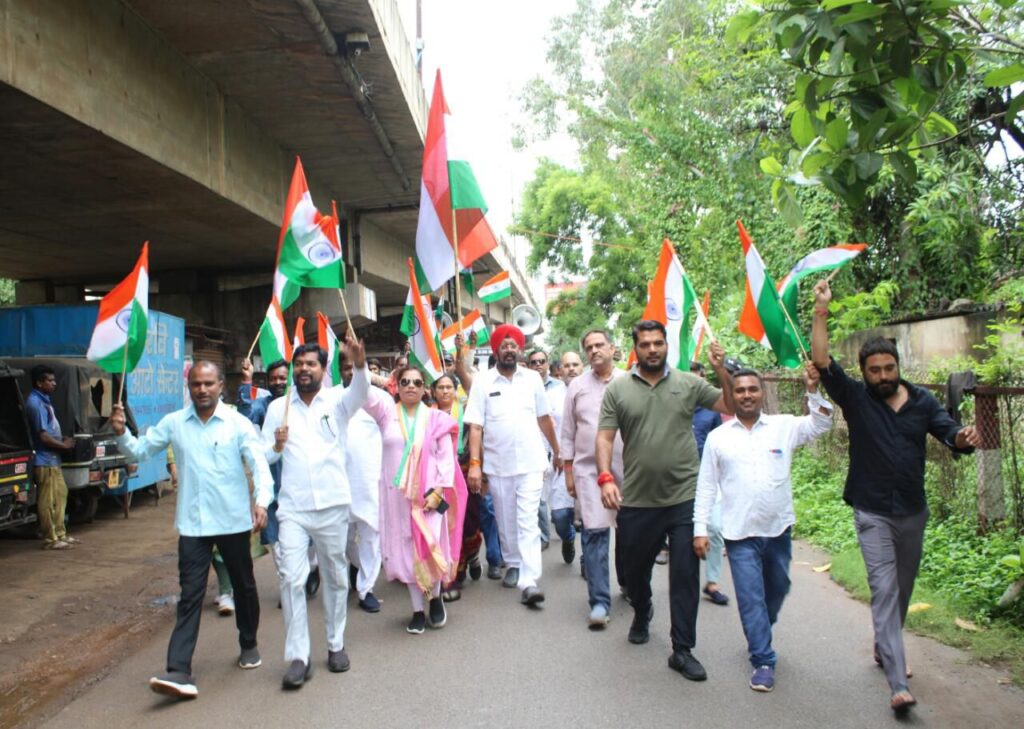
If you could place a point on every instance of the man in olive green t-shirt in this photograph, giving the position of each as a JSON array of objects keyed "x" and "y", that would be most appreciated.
[{"x": 653, "y": 410}]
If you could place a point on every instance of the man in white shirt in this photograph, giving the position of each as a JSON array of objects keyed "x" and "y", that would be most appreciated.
[
  {"x": 307, "y": 430},
  {"x": 556, "y": 506},
  {"x": 364, "y": 464},
  {"x": 506, "y": 406},
  {"x": 747, "y": 460}
]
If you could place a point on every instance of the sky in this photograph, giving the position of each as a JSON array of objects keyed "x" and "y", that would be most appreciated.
[{"x": 487, "y": 50}]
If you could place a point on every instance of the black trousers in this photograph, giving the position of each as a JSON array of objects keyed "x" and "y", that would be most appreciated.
[
  {"x": 642, "y": 533},
  {"x": 194, "y": 554}
]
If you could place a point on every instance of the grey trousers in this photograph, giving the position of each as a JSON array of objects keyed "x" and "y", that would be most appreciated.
[{"x": 891, "y": 546}]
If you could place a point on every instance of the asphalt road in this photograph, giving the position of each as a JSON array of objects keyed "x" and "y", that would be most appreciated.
[{"x": 498, "y": 664}]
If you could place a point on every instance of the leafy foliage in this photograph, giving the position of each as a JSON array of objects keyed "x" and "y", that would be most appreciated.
[{"x": 685, "y": 119}]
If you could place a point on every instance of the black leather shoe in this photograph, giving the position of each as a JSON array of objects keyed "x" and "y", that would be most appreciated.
[
  {"x": 476, "y": 571},
  {"x": 684, "y": 662},
  {"x": 370, "y": 603},
  {"x": 337, "y": 661},
  {"x": 313, "y": 582},
  {"x": 639, "y": 631},
  {"x": 532, "y": 596},
  {"x": 297, "y": 674},
  {"x": 568, "y": 551}
]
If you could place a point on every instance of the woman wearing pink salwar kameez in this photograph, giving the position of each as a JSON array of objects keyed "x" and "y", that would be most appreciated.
[{"x": 420, "y": 545}]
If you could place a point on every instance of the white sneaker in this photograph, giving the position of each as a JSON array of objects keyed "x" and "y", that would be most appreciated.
[{"x": 226, "y": 605}]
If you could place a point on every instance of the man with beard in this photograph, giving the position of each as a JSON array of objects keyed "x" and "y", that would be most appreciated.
[
  {"x": 506, "y": 406},
  {"x": 308, "y": 431},
  {"x": 211, "y": 444},
  {"x": 572, "y": 366},
  {"x": 653, "y": 409},
  {"x": 747, "y": 461},
  {"x": 889, "y": 420},
  {"x": 578, "y": 434}
]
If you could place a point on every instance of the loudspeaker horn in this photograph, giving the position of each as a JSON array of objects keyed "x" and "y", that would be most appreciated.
[{"x": 527, "y": 318}]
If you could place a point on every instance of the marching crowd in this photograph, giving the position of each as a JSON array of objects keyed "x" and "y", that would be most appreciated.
[{"x": 416, "y": 478}]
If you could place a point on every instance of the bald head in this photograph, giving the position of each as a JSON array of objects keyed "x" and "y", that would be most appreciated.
[{"x": 572, "y": 366}]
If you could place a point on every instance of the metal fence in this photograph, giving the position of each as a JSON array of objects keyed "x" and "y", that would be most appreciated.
[{"x": 985, "y": 488}]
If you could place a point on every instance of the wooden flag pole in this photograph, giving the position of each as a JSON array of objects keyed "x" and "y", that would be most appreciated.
[
  {"x": 124, "y": 370},
  {"x": 458, "y": 286},
  {"x": 828, "y": 279},
  {"x": 796, "y": 331},
  {"x": 348, "y": 319},
  {"x": 253, "y": 345},
  {"x": 705, "y": 323}
]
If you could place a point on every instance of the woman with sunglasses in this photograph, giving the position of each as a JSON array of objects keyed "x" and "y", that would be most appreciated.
[{"x": 422, "y": 497}]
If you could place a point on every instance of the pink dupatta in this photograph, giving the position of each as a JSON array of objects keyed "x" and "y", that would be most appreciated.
[{"x": 434, "y": 561}]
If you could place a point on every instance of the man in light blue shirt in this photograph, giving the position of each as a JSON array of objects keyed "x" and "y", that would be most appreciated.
[{"x": 211, "y": 442}]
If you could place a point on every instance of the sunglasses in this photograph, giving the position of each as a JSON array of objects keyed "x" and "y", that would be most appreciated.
[
  {"x": 410, "y": 383},
  {"x": 537, "y": 362}
]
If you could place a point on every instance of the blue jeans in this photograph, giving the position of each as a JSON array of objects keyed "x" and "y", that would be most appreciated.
[
  {"x": 760, "y": 576},
  {"x": 594, "y": 543},
  {"x": 562, "y": 519},
  {"x": 543, "y": 522},
  {"x": 490, "y": 530}
]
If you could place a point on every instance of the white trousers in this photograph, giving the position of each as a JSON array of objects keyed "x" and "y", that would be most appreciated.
[
  {"x": 364, "y": 552},
  {"x": 516, "y": 501},
  {"x": 328, "y": 528}
]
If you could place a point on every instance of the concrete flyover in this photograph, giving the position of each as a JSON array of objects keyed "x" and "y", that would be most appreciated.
[{"x": 179, "y": 122}]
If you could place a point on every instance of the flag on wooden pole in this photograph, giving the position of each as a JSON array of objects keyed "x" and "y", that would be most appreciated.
[
  {"x": 328, "y": 342},
  {"x": 449, "y": 198},
  {"x": 273, "y": 338},
  {"x": 119, "y": 337},
  {"x": 763, "y": 317},
  {"x": 419, "y": 325}
]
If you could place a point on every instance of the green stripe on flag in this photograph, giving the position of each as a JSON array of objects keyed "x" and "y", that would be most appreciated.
[{"x": 465, "y": 191}]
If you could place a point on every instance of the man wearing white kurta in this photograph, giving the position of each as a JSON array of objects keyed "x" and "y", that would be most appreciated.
[
  {"x": 363, "y": 464},
  {"x": 578, "y": 434},
  {"x": 506, "y": 406},
  {"x": 556, "y": 506},
  {"x": 314, "y": 500}
]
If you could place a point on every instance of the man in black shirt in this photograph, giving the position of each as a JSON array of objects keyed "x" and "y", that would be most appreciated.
[{"x": 889, "y": 420}]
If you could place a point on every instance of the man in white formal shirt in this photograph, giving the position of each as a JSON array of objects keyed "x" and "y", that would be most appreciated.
[
  {"x": 747, "y": 460},
  {"x": 506, "y": 406},
  {"x": 307, "y": 430}
]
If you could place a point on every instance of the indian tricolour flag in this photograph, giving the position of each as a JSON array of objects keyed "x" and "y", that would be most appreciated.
[
  {"x": 816, "y": 263},
  {"x": 450, "y": 199},
  {"x": 308, "y": 249},
  {"x": 419, "y": 325},
  {"x": 698, "y": 331},
  {"x": 762, "y": 318},
  {"x": 273, "y": 339},
  {"x": 300, "y": 336},
  {"x": 496, "y": 288},
  {"x": 328, "y": 342},
  {"x": 671, "y": 300},
  {"x": 120, "y": 335},
  {"x": 472, "y": 322}
]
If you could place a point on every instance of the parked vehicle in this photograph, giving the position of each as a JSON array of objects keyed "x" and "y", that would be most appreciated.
[
  {"x": 82, "y": 402},
  {"x": 59, "y": 335},
  {"x": 17, "y": 494}
]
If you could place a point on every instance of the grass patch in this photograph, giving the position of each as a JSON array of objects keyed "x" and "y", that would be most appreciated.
[
  {"x": 999, "y": 643},
  {"x": 961, "y": 575}
]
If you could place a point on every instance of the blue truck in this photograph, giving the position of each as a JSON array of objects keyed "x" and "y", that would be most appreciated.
[{"x": 58, "y": 336}]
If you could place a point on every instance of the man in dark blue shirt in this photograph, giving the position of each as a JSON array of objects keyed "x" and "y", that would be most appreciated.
[
  {"x": 47, "y": 441},
  {"x": 889, "y": 420}
]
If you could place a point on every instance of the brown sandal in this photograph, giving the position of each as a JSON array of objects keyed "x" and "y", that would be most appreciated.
[{"x": 901, "y": 701}]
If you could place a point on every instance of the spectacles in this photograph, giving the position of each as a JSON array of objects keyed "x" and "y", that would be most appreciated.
[
  {"x": 414, "y": 383},
  {"x": 537, "y": 362}
]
